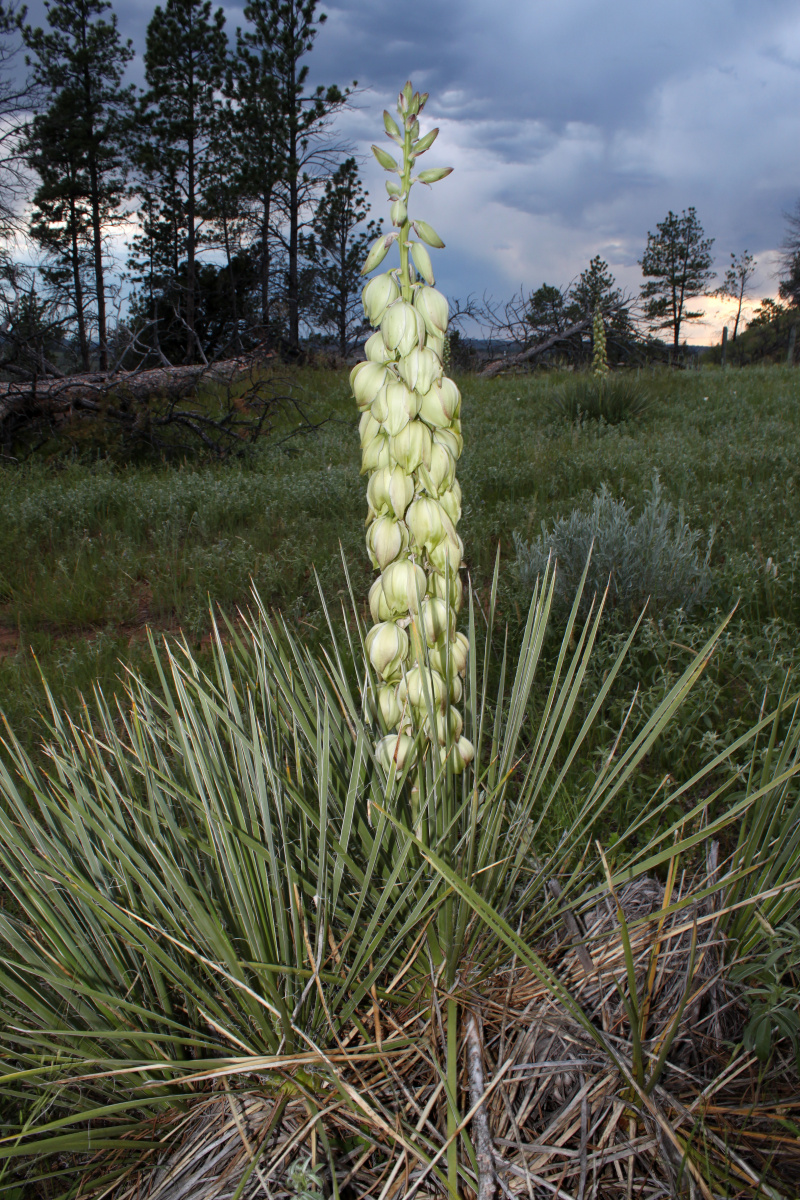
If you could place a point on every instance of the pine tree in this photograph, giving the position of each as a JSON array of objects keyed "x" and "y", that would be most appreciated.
[
  {"x": 283, "y": 32},
  {"x": 60, "y": 222},
  {"x": 736, "y": 283},
  {"x": 256, "y": 161},
  {"x": 79, "y": 139},
  {"x": 677, "y": 263},
  {"x": 185, "y": 60},
  {"x": 335, "y": 250}
]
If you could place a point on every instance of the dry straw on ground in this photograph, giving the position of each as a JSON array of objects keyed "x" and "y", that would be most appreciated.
[{"x": 547, "y": 1112}]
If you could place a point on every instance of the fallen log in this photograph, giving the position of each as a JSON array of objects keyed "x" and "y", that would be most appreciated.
[
  {"x": 161, "y": 382},
  {"x": 143, "y": 403},
  {"x": 512, "y": 360}
]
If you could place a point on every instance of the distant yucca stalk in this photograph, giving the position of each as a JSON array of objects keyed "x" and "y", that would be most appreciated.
[
  {"x": 411, "y": 440},
  {"x": 600, "y": 351}
]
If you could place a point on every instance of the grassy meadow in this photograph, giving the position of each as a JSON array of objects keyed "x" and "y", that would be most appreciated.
[{"x": 93, "y": 554}]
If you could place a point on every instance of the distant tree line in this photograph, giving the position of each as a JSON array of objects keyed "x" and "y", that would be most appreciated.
[
  {"x": 241, "y": 222},
  {"x": 211, "y": 212},
  {"x": 555, "y": 324}
]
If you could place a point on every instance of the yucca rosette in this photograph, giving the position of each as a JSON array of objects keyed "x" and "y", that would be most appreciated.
[{"x": 410, "y": 434}]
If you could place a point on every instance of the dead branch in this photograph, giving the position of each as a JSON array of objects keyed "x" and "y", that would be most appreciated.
[
  {"x": 144, "y": 404},
  {"x": 524, "y": 356},
  {"x": 480, "y": 1122}
]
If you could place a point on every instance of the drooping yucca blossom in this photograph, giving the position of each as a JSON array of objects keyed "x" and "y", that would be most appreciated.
[{"x": 411, "y": 440}]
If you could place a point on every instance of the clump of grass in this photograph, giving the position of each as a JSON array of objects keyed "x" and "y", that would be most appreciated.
[
  {"x": 655, "y": 557},
  {"x": 595, "y": 397}
]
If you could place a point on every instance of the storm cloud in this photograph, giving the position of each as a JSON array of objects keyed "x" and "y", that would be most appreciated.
[{"x": 575, "y": 126}]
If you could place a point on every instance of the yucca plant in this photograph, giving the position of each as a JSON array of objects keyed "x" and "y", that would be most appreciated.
[
  {"x": 600, "y": 396},
  {"x": 252, "y": 945},
  {"x": 217, "y": 880}
]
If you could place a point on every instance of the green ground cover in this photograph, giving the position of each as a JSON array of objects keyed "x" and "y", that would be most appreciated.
[{"x": 93, "y": 553}]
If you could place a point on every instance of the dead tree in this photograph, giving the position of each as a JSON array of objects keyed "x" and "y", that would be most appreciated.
[{"x": 221, "y": 408}]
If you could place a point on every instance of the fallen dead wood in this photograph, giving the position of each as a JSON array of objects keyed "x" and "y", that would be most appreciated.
[
  {"x": 163, "y": 406},
  {"x": 514, "y": 360}
]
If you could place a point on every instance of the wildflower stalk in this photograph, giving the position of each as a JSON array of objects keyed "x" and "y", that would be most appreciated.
[
  {"x": 411, "y": 440},
  {"x": 600, "y": 351}
]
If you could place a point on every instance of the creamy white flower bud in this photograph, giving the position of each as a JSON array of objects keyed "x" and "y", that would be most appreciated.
[
  {"x": 399, "y": 328},
  {"x": 380, "y": 406},
  {"x": 401, "y": 406},
  {"x": 420, "y": 369},
  {"x": 425, "y": 524},
  {"x": 450, "y": 440},
  {"x": 441, "y": 404},
  {"x": 438, "y": 586},
  {"x": 387, "y": 646},
  {"x": 377, "y": 295},
  {"x": 378, "y": 606},
  {"x": 402, "y": 582},
  {"x": 390, "y": 491},
  {"x": 460, "y": 754},
  {"x": 436, "y": 344},
  {"x": 398, "y": 212},
  {"x": 368, "y": 429},
  {"x": 386, "y": 539},
  {"x": 389, "y": 706},
  {"x": 415, "y": 684},
  {"x": 411, "y": 446},
  {"x": 446, "y": 730},
  {"x": 450, "y": 658},
  {"x": 442, "y": 471},
  {"x": 396, "y": 751},
  {"x": 446, "y": 556},
  {"x": 377, "y": 253},
  {"x": 376, "y": 350},
  {"x": 422, "y": 261},
  {"x": 366, "y": 380},
  {"x": 437, "y": 619},
  {"x": 450, "y": 501},
  {"x": 375, "y": 455},
  {"x": 432, "y": 306}
]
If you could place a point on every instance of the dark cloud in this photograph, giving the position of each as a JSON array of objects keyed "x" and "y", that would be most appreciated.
[{"x": 574, "y": 126}]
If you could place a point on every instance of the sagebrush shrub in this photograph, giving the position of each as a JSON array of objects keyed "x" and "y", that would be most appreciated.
[{"x": 655, "y": 557}]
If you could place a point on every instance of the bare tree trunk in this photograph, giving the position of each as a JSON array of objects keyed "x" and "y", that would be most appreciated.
[
  {"x": 236, "y": 339},
  {"x": 191, "y": 342},
  {"x": 294, "y": 222},
  {"x": 97, "y": 238},
  {"x": 265, "y": 262},
  {"x": 78, "y": 285}
]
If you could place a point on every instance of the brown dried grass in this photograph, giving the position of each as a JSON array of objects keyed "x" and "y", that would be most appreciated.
[{"x": 564, "y": 1119}]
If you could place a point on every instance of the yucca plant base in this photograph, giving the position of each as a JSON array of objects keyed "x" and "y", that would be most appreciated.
[{"x": 222, "y": 976}]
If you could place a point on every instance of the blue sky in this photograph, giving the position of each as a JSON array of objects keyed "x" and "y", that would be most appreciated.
[{"x": 574, "y": 126}]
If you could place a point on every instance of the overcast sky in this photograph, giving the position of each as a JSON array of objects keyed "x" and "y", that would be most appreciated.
[{"x": 574, "y": 125}]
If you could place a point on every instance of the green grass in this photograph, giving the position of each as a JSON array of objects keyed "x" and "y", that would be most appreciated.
[{"x": 91, "y": 553}]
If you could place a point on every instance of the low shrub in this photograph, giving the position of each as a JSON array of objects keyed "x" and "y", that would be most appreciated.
[{"x": 655, "y": 557}]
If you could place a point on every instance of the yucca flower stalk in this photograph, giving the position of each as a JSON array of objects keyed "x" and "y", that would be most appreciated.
[
  {"x": 411, "y": 440},
  {"x": 600, "y": 351}
]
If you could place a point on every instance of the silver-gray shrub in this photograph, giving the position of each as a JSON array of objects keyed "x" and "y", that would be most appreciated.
[{"x": 655, "y": 556}]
